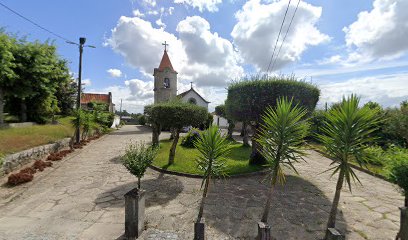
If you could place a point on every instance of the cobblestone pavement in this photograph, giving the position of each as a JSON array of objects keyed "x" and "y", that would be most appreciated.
[{"x": 82, "y": 198}]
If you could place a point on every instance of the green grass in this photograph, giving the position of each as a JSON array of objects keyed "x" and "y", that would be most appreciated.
[
  {"x": 237, "y": 160},
  {"x": 17, "y": 139}
]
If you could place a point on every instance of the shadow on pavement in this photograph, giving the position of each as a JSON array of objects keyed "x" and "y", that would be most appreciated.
[
  {"x": 159, "y": 191},
  {"x": 299, "y": 209}
]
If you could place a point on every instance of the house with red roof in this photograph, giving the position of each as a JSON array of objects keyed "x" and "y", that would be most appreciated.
[{"x": 88, "y": 98}]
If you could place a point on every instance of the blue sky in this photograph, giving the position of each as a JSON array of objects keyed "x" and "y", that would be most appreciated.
[{"x": 343, "y": 46}]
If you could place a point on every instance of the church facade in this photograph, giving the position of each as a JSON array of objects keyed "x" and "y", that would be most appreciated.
[{"x": 165, "y": 84}]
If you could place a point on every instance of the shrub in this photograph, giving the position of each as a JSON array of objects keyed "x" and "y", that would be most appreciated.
[
  {"x": 137, "y": 158},
  {"x": 142, "y": 120},
  {"x": 375, "y": 155},
  {"x": 398, "y": 173},
  {"x": 28, "y": 170},
  {"x": 192, "y": 136},
  {"x": 18, "y": 178},
  {"x": 41, "y": 165}
]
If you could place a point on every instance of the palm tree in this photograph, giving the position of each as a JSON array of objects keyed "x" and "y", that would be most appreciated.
[
  {"x": 281, "y": 134},
  {"x": 345, "y": 134},
  {"x": 213, "y": 148}
]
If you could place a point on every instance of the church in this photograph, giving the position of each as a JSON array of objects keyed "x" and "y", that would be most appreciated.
[{"x": 165, "y": 84}]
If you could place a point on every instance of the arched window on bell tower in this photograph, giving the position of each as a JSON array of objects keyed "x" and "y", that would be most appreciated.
[{"x": 166, "y": 83}]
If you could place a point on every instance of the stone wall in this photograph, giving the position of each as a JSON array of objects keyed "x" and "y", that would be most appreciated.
[{"x": 17, "y": 160}]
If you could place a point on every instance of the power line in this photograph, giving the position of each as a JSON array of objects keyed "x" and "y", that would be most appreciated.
[
  {"x": 34, "y": 23},
  {"x": 286, "y": 34},
  {"x": 277, "y": 39}
]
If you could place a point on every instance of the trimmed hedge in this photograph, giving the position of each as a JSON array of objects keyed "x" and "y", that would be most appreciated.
[
  {"x": 248, "y": 99},
  {"x": 176, "y": 114}
]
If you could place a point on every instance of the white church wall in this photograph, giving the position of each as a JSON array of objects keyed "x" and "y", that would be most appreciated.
[{"x": 199, "y": 100}]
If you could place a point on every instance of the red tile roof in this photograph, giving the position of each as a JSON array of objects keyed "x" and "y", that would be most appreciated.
[
  {"x": 165, "y": 62},
  {"x": 95, "y": 97}
]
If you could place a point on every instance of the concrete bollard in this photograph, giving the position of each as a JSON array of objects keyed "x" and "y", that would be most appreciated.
[
  {"x": 134, "y": 213},
  {"x": 403, "y": 232},
  {"x": 334, "y": 234},
  {"x": 264, "y": 231},
  {"x": 199, "y": 230}
]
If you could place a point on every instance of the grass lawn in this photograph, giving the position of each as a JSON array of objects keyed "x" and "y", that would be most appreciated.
[
  {"x": 237, "y": 160},
  {"x": 372, "y": 168},
  {"x": 17, "y": 139}
]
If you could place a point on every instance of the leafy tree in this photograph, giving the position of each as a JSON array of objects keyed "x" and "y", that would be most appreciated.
[
  {"x": 346, "y": 134},
  {"x": 7, "y": 75},
  {"x": 137, "y": 159},
  {"x": 220, "y": 111},
  {"x": 281, "y": 135},
  {"x": 399, "y": 175},
  {"x": 396, "y": 125},
  {"x": 248, "y": 99},
  {"x": 175, "y": 115},
  {"x": 213, "y": 149},
  {"x": 373, "y": 105}
]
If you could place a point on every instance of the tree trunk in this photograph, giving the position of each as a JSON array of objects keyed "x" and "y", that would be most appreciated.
[
  {"x": 1, "y": 106},
  {"x": 23, "y": 106},
  {"x": 256, "y": 156},
  {"x": 156, "y": 133},
  {"x": 138, "y": 183},
  {"x": 333, "y": 212},
  {"x": 245, "y": 138},
  {"x": 201, "y": 210},
  {"x": 265, "y": 214},
  {"x": 231, "y": 126},
  {"x": 243, "y": 129},
  {"x": 173, "y": 146}
]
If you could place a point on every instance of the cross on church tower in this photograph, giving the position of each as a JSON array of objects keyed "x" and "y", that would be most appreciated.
[{"x": 165, "y": 44}]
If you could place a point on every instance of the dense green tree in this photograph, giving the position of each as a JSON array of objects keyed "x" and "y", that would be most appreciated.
[
  {"x": 248, "y": 99},
  {"x": 395, "y": 127},
  {"x": 175, "y": 115},
  {"x": 347, "y": 132},
  {"x": 7, "y": 75}
]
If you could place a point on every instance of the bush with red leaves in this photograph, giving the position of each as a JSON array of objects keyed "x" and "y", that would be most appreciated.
[
  {"x": 18, "y": 178},
  {"x": 40, "y": 165},
  {"x": 58, "y": 155},
  {"x": 29, "y": 170}
]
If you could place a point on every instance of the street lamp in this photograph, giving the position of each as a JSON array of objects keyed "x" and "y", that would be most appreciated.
[{"x": 81, "y": 46}]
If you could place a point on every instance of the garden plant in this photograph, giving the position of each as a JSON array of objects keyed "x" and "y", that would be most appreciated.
[
  {"x": 281, "y": 136},
  {"x": 248, "y": 99},
  {"x": 346, "y": 134},
  {"x": 174, "y": 115},
  {"x": 137, "y": 159},
  {"x": 213, "y": 148}
]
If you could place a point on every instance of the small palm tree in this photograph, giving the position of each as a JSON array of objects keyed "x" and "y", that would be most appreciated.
[
  {"x": 213, "y": 148},
  {"x": 77, "y": 121},
  {"x": 281, "y": 136},
  {"x": 346, "y": 134}
]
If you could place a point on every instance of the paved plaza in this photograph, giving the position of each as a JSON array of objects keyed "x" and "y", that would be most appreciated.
[{"x": 81, "y": 197}]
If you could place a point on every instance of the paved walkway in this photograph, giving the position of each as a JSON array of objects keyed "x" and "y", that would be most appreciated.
[{"x": 82, "y": 198}]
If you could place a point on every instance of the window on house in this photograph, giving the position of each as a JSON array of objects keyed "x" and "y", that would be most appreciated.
[
  {"x": 192, "y": 101},
  {"x": 166, "y": 83}
]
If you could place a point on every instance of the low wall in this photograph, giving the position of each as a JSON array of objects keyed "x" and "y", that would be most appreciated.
[{"x": 17, "y": 160}]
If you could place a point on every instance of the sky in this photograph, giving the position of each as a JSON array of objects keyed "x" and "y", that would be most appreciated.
[{"x": 341, "y": 46}]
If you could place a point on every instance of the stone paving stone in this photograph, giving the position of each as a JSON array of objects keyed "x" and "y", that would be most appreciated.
[{"x": 81, "y": 197}]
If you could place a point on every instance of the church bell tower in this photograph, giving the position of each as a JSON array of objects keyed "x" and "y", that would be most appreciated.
[{"x": 165, "y": 79}]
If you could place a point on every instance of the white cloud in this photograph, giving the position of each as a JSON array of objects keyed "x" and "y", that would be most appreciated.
[
  {"x": 160, "y": 23},
  {"x": 171, "y": 10},
  {"x": 86, "y": 82},
  {"x": 137, "y": 13},
  {"x": 385, "y": 89},
  {"x": 379, "y": 33},
  {"x": 139, "y": 90},
  {"x": 114, "y": 72},
  {"x": 151, "y": 3},
  {"x": 258, "y": 26},
  {"x": 153, "y": 12},
  {"x": 198, "y": 54},
  {"x": 202, "y": 5}
]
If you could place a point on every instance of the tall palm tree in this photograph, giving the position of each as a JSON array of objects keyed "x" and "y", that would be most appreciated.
[
  {"x": 213, "y": 148},
  {"x": 345, "y": 134},
  {"x": 281, "y": 134}
]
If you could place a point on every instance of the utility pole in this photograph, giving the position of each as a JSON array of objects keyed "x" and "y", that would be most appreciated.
[{"x": 81, "y": 46}]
